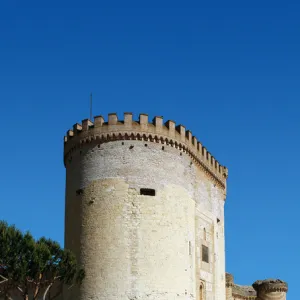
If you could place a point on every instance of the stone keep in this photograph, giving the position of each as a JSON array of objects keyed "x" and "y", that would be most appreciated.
[
  {"x": 269, "y": 289},
  {"x": 144, "y": 213}
]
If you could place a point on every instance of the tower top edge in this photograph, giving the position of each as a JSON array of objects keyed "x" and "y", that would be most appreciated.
[
  {"x": 128, "y": 129},
  {"x": 270, "y": 285}
]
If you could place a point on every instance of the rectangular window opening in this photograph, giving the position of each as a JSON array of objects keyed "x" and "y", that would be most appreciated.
[
  {"x": 147, "y": 192},
  {"x": 205, "y": 254}
]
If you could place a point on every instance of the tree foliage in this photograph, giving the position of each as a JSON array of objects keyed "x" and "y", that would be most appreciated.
[{"x": 31, "y": 268}]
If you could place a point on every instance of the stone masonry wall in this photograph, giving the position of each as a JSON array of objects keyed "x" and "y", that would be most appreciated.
[{"x": 142, "y": 247}]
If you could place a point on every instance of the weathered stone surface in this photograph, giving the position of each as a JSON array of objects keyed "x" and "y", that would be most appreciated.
[
  {"x": 270, "y": 285},
  {"x": 143, "y": 247},
  {"x": 270, "y": 289},
  {"x": 243, "y": 291},
  {"x": 229, "y": 279}
]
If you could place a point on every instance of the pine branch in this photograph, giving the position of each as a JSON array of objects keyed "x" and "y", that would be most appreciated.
[
  {"x": 50, "y": 286},
  {"x": 37, "y": 287},
  {"x": 47, "y": 290},
  {"x": 58, "y": 293},
  {"x": 4, "y": 279}
]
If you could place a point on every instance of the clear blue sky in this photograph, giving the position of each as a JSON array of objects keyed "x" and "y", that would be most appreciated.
[{"x": 227, "y": 70}]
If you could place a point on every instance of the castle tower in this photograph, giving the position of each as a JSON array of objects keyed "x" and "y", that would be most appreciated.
[
  {"x": 270, "y": 289},
  {"x": 229, "y": 286},
  {"x": 144, "y": 211}
]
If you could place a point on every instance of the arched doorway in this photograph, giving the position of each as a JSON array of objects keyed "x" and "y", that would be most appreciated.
[{"x": 201, "y": 291}]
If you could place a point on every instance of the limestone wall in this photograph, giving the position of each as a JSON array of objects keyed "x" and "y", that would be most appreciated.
[
  {"x": 156, "y": 131},
  {"x": 142, "y": 247}
]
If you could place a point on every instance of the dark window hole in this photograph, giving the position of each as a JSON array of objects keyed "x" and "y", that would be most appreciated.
[
  {"x": 147, "y": 192},
  {"x": 146, "y": 145},
  {"x": 163, "y": 148},
  {"x": 79, "y": 192},
  {"x": 205, "y": 254}
]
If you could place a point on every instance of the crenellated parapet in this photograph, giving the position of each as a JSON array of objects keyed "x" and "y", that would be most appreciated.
[
  {"x": 271, "y": 288},
  {"x": 157, "y": 131},
  {"x": 236, "y": 291},
  {"x": 229, "y": 280}
]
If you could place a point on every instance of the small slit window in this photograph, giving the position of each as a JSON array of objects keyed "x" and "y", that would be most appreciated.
[
  {"x": 147, "y": 192},
  {"x": 201, "y": 291},
  {"x": 79, "y": 192},
  {"x": 205, "y": 254}
]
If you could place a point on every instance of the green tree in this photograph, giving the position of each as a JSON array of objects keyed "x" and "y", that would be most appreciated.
[{"x": 32, "y": 267}]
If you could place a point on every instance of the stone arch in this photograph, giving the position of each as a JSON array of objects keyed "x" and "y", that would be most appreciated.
[{"x": 201, "y": 291}]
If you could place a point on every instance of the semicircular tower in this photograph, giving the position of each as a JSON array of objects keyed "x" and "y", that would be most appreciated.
[
  {"x": 270, "y": 289},
  {"x": 144, "y": 211}
]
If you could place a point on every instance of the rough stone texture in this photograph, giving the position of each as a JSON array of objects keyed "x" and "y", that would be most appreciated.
[
  {"x": 270, "y": 289},
  {"x": 141, "y": 247},
  {"x": 157, "y": 132},
  {"x": 270, "y": 285},
  {"x": 245, "y": 291},
  {"x": 229, "y": 279},
  {"x": 229, "y": 285}
]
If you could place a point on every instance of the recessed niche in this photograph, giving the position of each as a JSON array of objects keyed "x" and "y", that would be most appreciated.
[
  {"x": 205, "y": 254},
  {"x": 147, "y": 192}
]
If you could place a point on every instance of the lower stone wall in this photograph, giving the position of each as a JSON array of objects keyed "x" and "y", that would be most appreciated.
[{"x": 134, "y": 246}]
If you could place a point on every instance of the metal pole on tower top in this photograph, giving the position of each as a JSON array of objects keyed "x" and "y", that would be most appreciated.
[{"x": 91, "y": 105}]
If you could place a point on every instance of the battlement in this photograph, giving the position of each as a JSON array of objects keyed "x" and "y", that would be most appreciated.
[
  {"x": 156, "y": 131},
  {"x": 270, "y": 285}
]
